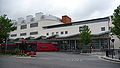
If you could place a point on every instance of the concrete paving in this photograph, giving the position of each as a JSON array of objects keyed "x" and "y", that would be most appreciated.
[
  {"x": 56, "y": 60},
  {"x": 110, "y": 59}
]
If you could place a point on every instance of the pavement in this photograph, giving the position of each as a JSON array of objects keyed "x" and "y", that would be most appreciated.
[
  {"x": 102, "y": 56},
  {"x": 110, "y": 59}
]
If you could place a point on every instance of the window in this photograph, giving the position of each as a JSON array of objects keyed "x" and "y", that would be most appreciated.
[
  {"x": 23, "y": 21},
  {"x": 56, "y": 33},
  {"x": 52, "y": 33},
  {"x": 23, "y": 26},
  {"x": 44, "y": 47},
  {"x": 66, "y": 32},
  {"x": 22, "y": 34},
  {"x": 13, "y": 35},
  {"x": 33, "y": 25},
  {"x": 102, "y": 28},
  {"x": 33, "y": 33},
  {"x": 62, "y": 32},
  {"x": 80, "y": 28},
  {"x": 32, "y": 19},
  {"x": 47, "y": 34}
]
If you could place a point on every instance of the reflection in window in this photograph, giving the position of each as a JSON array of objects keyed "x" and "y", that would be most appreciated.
[{"x": 80, "y": 28}]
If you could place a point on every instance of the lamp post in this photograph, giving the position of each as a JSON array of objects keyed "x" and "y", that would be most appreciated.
[
  {"x": 90, "y": 47},
  {"x": 6, "y": 45}
]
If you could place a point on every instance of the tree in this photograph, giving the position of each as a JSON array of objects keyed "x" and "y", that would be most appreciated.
[
  {"x": 116, "y": 22},
  {"x": 85, "y": 35},
  {"x": 5, "y": 27}
]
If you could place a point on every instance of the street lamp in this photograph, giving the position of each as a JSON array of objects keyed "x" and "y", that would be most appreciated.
[{"x": 6, "y": 45}]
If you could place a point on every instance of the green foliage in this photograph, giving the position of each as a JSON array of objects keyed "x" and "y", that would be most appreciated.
[
  {"x": 21, "y": 54},
  {"x": 116, "y": 22},
  {"x": 85, "y": 35},
  {"x": 17, "y": 50},
  {"x": 5, "y": 27}
]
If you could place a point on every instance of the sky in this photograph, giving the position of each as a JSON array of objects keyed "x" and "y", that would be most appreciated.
[{"x": 76, "y": 9}]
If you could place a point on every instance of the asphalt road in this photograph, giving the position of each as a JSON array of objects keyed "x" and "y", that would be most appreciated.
[{"x": 56, "y": 60}]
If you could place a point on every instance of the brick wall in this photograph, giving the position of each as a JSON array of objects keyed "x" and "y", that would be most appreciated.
[{"x": 65, "y": 19}]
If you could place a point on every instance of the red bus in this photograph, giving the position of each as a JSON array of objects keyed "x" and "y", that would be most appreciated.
[
  {"x": 31, "y": 46},
  {"x": 47, "y": 46}
]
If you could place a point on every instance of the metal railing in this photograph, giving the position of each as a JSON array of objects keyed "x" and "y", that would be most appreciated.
[{"x": 113, "y": 53}]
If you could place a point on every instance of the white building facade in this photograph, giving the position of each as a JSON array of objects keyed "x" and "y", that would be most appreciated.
[
  {"x": 32, "y": 26},
  {"x": 48, "y": 25}
]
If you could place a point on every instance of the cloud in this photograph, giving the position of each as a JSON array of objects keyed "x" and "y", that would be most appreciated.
[
  {"x": 76, "y": 9},
  {"x": 89, "y": 10}
]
